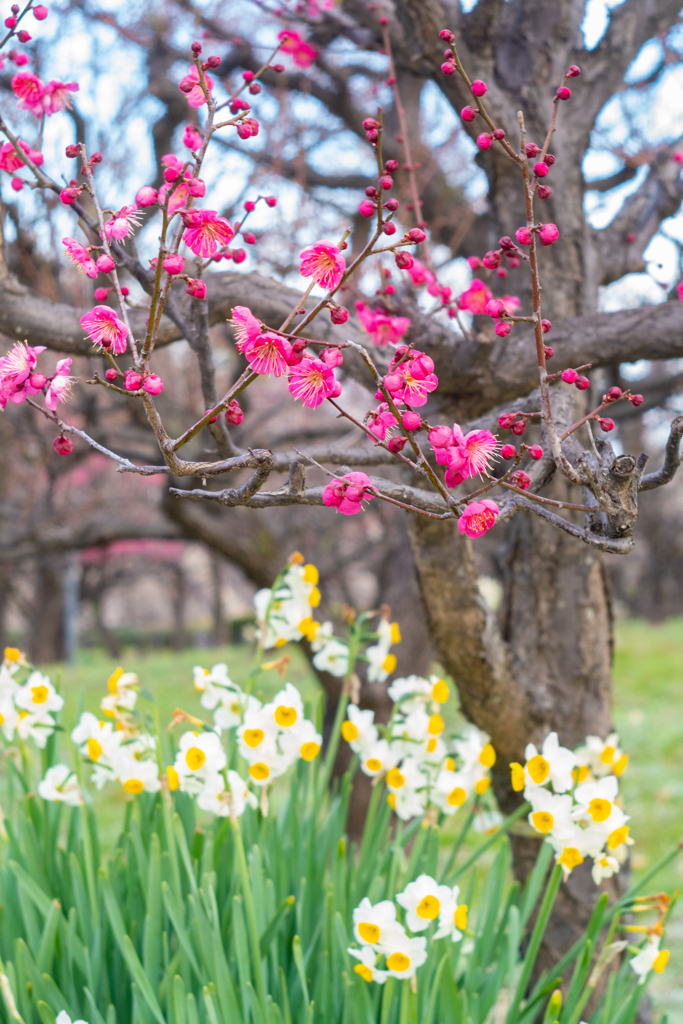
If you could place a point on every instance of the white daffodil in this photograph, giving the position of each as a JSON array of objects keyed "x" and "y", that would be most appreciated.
[
  {"x": 553, "y": 764},
  {"x": 450, "y": 790},
  {"x": 122, "y": 694},
  {"x": 404, "y": 954},
  {"x": 7, "y": 683},
  {"x": 549, "y": 811},
  {"x": 407, "y": 789},
  {"x": 603, "y": 757},
  {"x": 96, "y": 739},
  {"x": 410, "y": 693},
  {"x": 333, "y": 658},
  {"x": 604, "y": 866},
  {"x": 323, "y": 634},
  {"x": 230, "y": 801},
  {"x": 280, "y": 613},
  {"x": 595, "y": 801},
  {"x": 60, "y": 785},
  {"x": 373, "y": 925},
  {"x": 200, "y": 754},
  {"x": 64, "y": 1018},
  {"x": 366, "y": 968},
  {"x": 233, "y": 709},
  {"x": 422, "y": 900},
  {"x": 380, "y": 662},
  {"x": 258, "y": 733},
  {"x": 38, "y": 727},
  {"x": 378, "y": 758},
  {"x": 38, "y": 695},
  {"x": 9, "y": 716},
  {"x": 213, "y": 685},
  {"x": 452, "y": 917},
  {"x": 269, "y": 766},
  {"x": 650, "y": 958},
  {"x": 302, "y": 740},
  {"x": 359, "y": 729},
  {"x": 573, "y": 843},
  {"x": 138, "y": 776},
  {"x": 286, "y": 708},
  {"x": 475, "y": 751},
  {"x": 487, "y": 822}
]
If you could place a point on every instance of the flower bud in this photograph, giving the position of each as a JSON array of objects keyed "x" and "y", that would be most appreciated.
[
  {"x": 101, "y": 294},
  {"x": 411, "y": 420},
  {"x": 637, "y": 399},
  {"x": 416, "y": 235},
  {"x": 72, "y": 151},
  {"x": 404, "y": 260},
  {"x": 146, "y": 196},
  {"x": 546, "y": 326},
  {"x": 153, "y": 384},
  {"x": 277, "y": 68},
  {"x": 549, "y": 159},
  {"x": 563, "y": 93},
  {"x": 518, "y": 427},
  {"x": 506, "y": 242},
  {"x": 105, "y": 263},
  {"x": 171, "y": 174},
  {"x": 62, "y": 445},
  {"x": 255, "y": 88},
  {"x": 249, "y": 237},
  {"x": 397, "y": 444},
  {"x": 386, "y": 181},
  {"x": 569, "y": 376},
  {"x": 389, "y": 228},
  {"x": 548, "y": 234},
  {"x": 234, "y": 414},
  {"x": 23, "y": 36},
  {"x": 196, "y": 48},
  {"x": 614, "y": 393},
  {"x": 370, "y": 123},
  {"x": 248, "y": 76},
  {"x": 523, "y": 236},
  {"x": 491, "y": 259},
  {"x": 441, "y": 437},
  {"x": 544, "y": 191},
  {"x": 17, "y": 184},
  {"x": 196, "y": 288},
  {"x": 574, "y": 71},
  {"x": 371, "y": 192},
  {"x": 197, "y": 187},
  {"x": 446, "y": 35},
  {"x": 494, "y": 307},
  {"x": 503, "y": 329},
  {"x": 40, "y": 12},
  {"x": 239, "y": 255},
  {"x": 393, "y": 382},
  {"x": 10, "y": 22},
  {"x": 392, "y": 205},
  {"x": 390, "y": 166},
  {"x": 478, "y": 87},
  {"x": 606, "y": 424},
  {"x": 271, "y": 201},
  {"x": 124, "y": 291},
  {"x": 68, "y": 196},
  {"x": 540, "y": 169},
  {"x": 535, "y": 451},
  {"x": 508, "y": 451},
  {"x": 38, "y": 380},
  {"x": 468, "y": 113},
  {"x": 449, "y": 67},
  {"x": 532, "y": 150},
  {"x": 174, "y": 264},
  {"x": 132, "y": 380},
  {"x": 498, "y": 134},
  {"x": 581, "y": 383},
  {"x": 111, "y": 373},
  {"x": 520, "y": 479},
  {"x": 475, "y": 262},
  {"x": 484, "y": 141},
  {"x": 366, "y": 208},
  {"x": 213, "y": 61},
  {"x": 339, "y": 315}
]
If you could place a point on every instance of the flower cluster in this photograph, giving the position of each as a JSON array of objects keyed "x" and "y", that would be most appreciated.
[
  {"x": 26, "y": 708},
  {"x": 419, "y": 766},
  {"x": 389, "y": 948},
  {"x": 283, "y": 611},
  {"x": 574, "y": 797},
  {"x": 19, "y": 378}
]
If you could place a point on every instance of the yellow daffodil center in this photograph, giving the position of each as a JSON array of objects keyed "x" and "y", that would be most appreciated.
[
  {"x": 389, "y": 663},
  {"x": 252, "y": 737},
  {"x": 373, "y": 764},
  {"x": 398, "y": 962},
  {"x": 460, "y": 917},
  {"x": 311, "y": 574},
  {"x": 481, "y": 786},
  {"x": 39, "y": 694},
  {"x": 542, "y": 821},
  {"x": 661, "y": 961},
  {"x": 450, "y": 764},
  {"x": 195, "y": 758},
  {"x": 457, "y": 797},
  {"x": 94, "y": 750},
  {"x": 349, "y": 731},
  {"x": 2, "y": 718},
  {"x": 395, "y": 779},
  {"x": 172, "y": 776},
  {"x": 431, "y": 745},
  {"x": 599, "y": 810},
  {"x": 428, "y": 908},
  {"x": 285, "y": 716},
  {"x": 436, "y": 725},
  {"x": 365, "y": 972},
  {"x": 395, "y": 633},
  {"x": 580, "y": 773},
  {"x": 570, "y": 858},
  {"x": 607, "y": 755},
  {"x": 488, "y": 756},
  {"x": 517, "y": 776},
  {"x": 391, "y": 800},
  {"x": 440, "y": 691},
  {"x": 259, "y": 771},
  {"x": 12, "y": 654},
  {"x": 309, "y": 627},
  {"x": 620, "y": 766},
  {"x": 368, "y": 932},
  {"x": 617, "y": 837},
  {"x": 114, "y": 678},
  {"x": 133, "y": 786},
  {"x": 314, "y": 598},
  {"x": 538, "y": 769},
  {"x": 280, "y": 642},
  {"x": 310, "y": 751}
]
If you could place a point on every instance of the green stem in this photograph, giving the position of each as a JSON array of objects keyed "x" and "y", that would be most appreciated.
[
  {"x": 535, "y": 941},
  {"x": 340, "y": 714},
  {"x": 510, "y": 820},
  {"x": 405, "y": 1002},
  {"x": 251, "y": 914}
]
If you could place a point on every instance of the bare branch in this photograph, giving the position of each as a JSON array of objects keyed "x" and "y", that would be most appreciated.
[{"x": 672, "y": 459}]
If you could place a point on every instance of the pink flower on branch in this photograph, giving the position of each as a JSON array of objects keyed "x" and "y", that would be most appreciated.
[
  {"x": 206, "y": 231},
  {"x": 120, "y": 225},
  {"x": 9, "y": 161},
  {"x": 15, "y": 370},
  {"x": 478, "y": 517},
  {"x": 475, "y": 298},
  {"x": 59, "y": 388},
  {"x": 192, "y": 139},
  {"x": 193, "y": 90},
  {"x": 324, "y": 263},
  {"x": 312, "y": 380},
  {"x": 383, "y": 329},
  {"x": 80, "y": 257},
  {"x": 302, "y": 53},
  {"x": 246, "y": 327},
  {"x": 347, "y": 494},
  {"x": 380, "y": 420},
  {"x": 413, "y": 379},
  {"x": 57, "y": 96},
  {"x": 105, "y": 329},
  {"x": 30, "y": 91},
  {"x": 419, "y": 274},
  {"x": 267, "y": 353}
]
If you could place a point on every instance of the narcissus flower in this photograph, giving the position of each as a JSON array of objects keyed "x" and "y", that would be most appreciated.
[
  {"x": 38, "y": 695},
  {"x": 199, "y": 755},
  {"x": 60, "y": 785},
  {"x": 553, "y": 764},
  {"x": 366, "y": 967},
  {"x": 452, "y": 916},
  {"x": 404, "y": 954},
  {"x": 105, "y": 329},
  {"x": 478, "y": 517},
  {"x": 422, "y": 899},
  {"x": 373, "y": 925},
  {"x": 650, "y": 958},
  {"x": 324, "y": 263},
  {"x": 206, "y": 232},
  {"x": 359, "y": 730}
]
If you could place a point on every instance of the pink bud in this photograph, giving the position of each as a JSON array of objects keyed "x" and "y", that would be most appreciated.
[
  {"x": 501, "y": 272},
  {"x": 386, "y": 181},
  {"x": 581, "y": 383},
  {"x": 549, "y": 159},
  {"x": 255, "y": 88},
  {"x": 233, "y": 413},
  {"x": 249, "y": 205},
  {"x": 503, "y": 329},
  {"x": 71, "y": 151},
  {"x": 124, "y": 290},
  {"x": 535, "y": 451},
  {"x": 491, "y": 259},
  {"x": 484, "y": 141},
  {"x": 574, "y": 71},
  {"x": 171, "y": 174},
  {"x": 532, "y": 150},
  {"x": 478, "y": 88},
  {"x": 508, "y": 451},
  {"x": 248, "y": 76},
  {"x": 10, "y": 22},
  {"x": 174, "y": 264},
  {"x": 397, "y": 444},
  {"x": 101, "y": 294},
  {"x": 393, "y": 382},
  {"x": 23, "y": 36},
  {"x": 544, "y": 191},
  {"x": 196, "y": 288},
  {"x": 153, "y": 384},
  {"x": 111, "y": 374},
  {"x": 146, "y": 196},
  {"x": 468, "y": 113},
  {"x": 411, "y": 420},
  {"x": 494, "y": 307},
  {"x": 441, "y": 437},
  {"x": 518, "y": 427},
  {"x": 563, "y": 93},
  {"x": 105, "y": 263},
  {"x": 389, "y": 228},
  {"x": 17, "y": 184},
  {"x": 520, "y": 479},
  {"x": 448, "y": 67},
  {"x": 614, "y": 393},
  {"x": 637, "y": 399},
  {"x": 446, "y": 35},
  {"x": 506, "y": 420},
  {"x": 197, "y": 187},
  {"x": 339, "y": 315},
  {"x": 549, "y": 351},
  {"x": 548, "y": 234},
  {"x": 523, "y": 236},
  {"x": 540, "y": 169},
  {"x": 38, "y": 380},
  {"x": 404, "y": 260},
  {"x": 62, "y": 445},
  {"x": 416, "y": 235},
  {"x": 366, "y": 208},
  {"x": 606, "y": 424},
  {"x": 239, "y": 255},
  {"x": 475, "y": 262},
  {"x": 132, "y": 380},
  {"x": 546, "y": 326},
  {"x": 271, "y": 201},
  {"x": 498, "y": 134},
  {"x": 249, "y": 237},
  {"x": 390, "y": 166},
  {"x": 372, "y": 136},
  {"x": 68, "y": 196},
  {"x": 569, "y": 376},
  {"x": 40, "y": 12}
]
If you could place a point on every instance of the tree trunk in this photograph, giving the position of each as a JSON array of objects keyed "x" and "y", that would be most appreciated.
[{"x": 45, "y": 640}]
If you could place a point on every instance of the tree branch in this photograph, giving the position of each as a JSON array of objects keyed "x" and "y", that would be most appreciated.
[{"x": 672, "y": 459}]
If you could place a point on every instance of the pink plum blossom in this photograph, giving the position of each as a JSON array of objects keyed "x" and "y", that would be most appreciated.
[
  {"x": 302, "y": 53},
  {"x": 59, "y": 387},
  {"x": 146, "y": 196},
  {"x": 476, "y": 448},
  {"x": 57, "y": 96},
  {"x": 245, "y": 326},
  {"x": 478, "y": 517},
  {"x": 347, "y": 494},
  {"x": 206, "y": 231},
  {"x": 475, "y": 298},
  {"x": 548, "y": 234},
  {"x": 380, "y": 420},
  {"x": 120, "y": 225},
  {"x": 419, "y": 273},
  {"x": 312, "y": 380},
  {"x": 384, "y": 329},
  {"x": 324, "y": 263},
  {"x": 179, "y": 196},
  {"x": 15, "y": 370},
  {"x": 267, "y": 353},
  {"x": 411, "y": 380},
  {"x": 80, "y": 257},
  {"x": 195, "y": 97},
  {"x": 29, "y": 90},
  {"x": 9, "y": 161},
  {"x": 105, "y": 329},
  {"x": 192, "y": 139}
]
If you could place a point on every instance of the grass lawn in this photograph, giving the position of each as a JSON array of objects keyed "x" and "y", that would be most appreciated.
[{"x": 648, "y": 714}]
